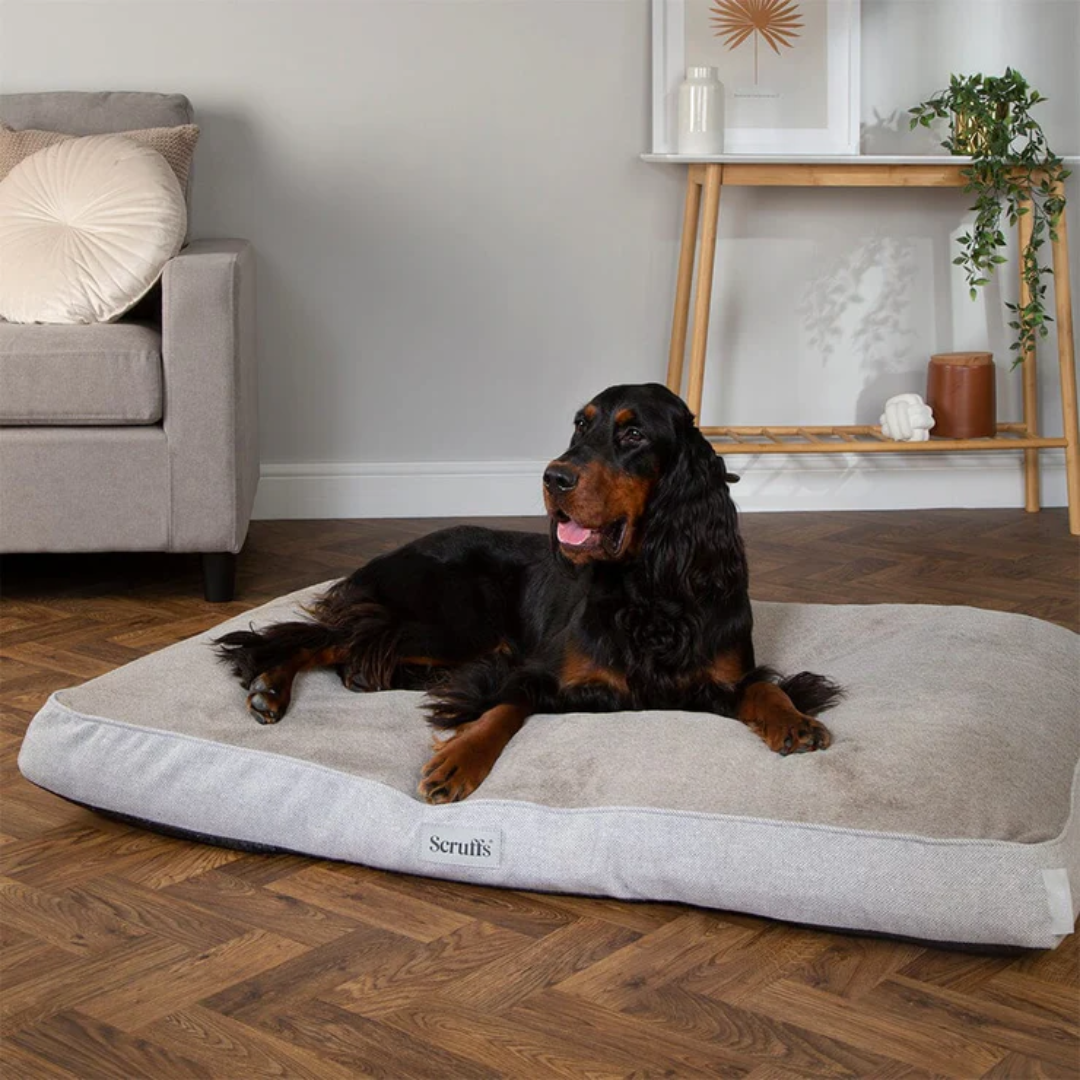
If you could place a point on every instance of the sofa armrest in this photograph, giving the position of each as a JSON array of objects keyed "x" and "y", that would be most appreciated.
[{"x": 211, "y": 396}]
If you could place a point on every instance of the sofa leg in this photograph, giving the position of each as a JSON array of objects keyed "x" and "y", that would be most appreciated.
[{"x": 219, "y": 576}]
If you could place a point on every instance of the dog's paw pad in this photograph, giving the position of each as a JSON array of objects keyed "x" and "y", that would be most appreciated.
[
  {"x": 453, "y": 772},
  {"x": 266, "y": 706},
  {"x": 802, "y": 735},
  {"x": 806, "y": 736}
]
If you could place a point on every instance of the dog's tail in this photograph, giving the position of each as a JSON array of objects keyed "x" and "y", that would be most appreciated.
[
  {"x": 362, "y": 633},
  {"x": 251, "y": 652},
  {"x": 810, "y": 693}
]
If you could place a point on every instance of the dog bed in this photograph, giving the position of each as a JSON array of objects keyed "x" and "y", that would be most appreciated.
[{"x": 943, "y": 811}]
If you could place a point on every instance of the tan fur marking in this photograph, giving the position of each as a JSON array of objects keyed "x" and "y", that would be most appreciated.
[
  {"x": 726, "y": 668},
  {"x": 604, "y": 495},
  {"x": 765, "y": 701},
  {"x": 580, "y": 670},
  {"x": 460, "y": 764},
  {"x": 768, "y": 712}
]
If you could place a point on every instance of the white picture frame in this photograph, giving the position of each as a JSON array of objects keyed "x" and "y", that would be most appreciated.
[{"x": 840, "y": 135}]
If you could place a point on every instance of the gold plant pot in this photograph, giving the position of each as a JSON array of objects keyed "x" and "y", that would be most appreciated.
[{"x": 972, "y": 136}]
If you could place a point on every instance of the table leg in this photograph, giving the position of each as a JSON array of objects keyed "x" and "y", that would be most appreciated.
[
  {"x": 685, "y": 280},
  {"x": 714, "y": 175},
  {"x": 1030, "y": 383},
  {"x": 1067, "y": 364}
]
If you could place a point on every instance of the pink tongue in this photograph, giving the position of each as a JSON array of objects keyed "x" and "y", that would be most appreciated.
[{"x": 570, "y": 532}]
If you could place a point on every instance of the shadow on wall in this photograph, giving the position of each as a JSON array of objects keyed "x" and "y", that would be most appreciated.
[
  {"x": 891, "y": 135},
  {"x": 861, "y": 300},
  {"x": 876, "y": 277},
  {"x": 864, "y": 301}
]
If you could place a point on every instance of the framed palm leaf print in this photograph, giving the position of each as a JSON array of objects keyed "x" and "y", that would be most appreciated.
[{"x": 790, "y": 70}]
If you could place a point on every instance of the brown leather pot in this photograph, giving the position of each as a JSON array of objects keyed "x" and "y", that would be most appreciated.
[{"x": 960, "y": 388}]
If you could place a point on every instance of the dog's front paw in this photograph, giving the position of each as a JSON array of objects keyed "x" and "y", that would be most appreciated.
[
  {"x": 266, "y": 702},
  {"x": 456, "y": 769},
  {"x": 793, "y": 735}
]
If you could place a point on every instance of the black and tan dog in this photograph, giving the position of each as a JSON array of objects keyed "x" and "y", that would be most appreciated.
[{"x": 636, "y": 600}]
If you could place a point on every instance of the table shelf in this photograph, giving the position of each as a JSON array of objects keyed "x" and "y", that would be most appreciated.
[{"x": 861, "y": 439}]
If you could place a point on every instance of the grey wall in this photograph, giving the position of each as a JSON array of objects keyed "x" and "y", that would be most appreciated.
[{"x": 458, "y": 243}]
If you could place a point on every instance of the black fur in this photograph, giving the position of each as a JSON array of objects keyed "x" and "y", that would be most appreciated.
[{"x": 483, "y": 617}]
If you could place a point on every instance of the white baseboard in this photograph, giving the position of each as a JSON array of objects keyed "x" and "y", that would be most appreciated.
[{"x": 769, "y": 482}]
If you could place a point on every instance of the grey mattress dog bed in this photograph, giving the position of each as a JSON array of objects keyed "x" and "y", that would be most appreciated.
[{"x": 944, "y": 810}]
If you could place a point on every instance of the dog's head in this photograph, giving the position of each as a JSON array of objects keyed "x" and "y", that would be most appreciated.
[{"x": 637, "y": 470}]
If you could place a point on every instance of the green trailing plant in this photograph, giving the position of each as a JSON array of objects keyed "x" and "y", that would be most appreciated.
[{"x": 1012, "y": 171}]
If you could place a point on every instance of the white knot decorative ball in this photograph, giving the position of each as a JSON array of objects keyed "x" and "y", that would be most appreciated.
[{"x": 907, "y": 418}]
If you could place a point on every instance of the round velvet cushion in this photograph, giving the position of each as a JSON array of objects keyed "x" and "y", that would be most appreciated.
[{"x": 86, "y": 227}]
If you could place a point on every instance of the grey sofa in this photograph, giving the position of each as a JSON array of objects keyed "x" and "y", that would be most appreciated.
[{"x": 139, "y": 435}]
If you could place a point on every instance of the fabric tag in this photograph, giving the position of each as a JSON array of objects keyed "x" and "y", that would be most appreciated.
[
  {"x": 456, "y": 846},
  {"x": 1059, "y": 897}
]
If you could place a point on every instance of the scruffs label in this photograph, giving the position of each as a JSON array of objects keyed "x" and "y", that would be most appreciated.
[{"x": 455, "y": 846}]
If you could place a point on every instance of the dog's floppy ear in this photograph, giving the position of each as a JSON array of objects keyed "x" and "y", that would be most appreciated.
[{"x": 691, "y": 541}]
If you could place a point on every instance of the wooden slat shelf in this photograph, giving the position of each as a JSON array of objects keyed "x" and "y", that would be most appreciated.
[{"x": 860, "y": 439}]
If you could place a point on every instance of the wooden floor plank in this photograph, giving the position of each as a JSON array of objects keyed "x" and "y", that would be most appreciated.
[
  {"x": 423, "y": 970},
  {"x": 851, "y": 967},
  {"x": 90, "y": 1048},
  {"x": 131, "y": 954},
  {"x": 552, "y": 1047},
  {"x": 144, "y": 999},
  {"x": 229, "y": 1048},
  {"x": 156, "y": 912},
  {"x": 925, "y": 1042},
  {"x": 312, "y": 974},
  {"x": 622, "y": 1039},
  {"x": 500, "y": 984},
  {"x": 51, "y": 991},
  {"x": 372, "y": 1045},
  {"x": 221, "y": 894},
  {"x": 369, "y": 903},
  {"x": 669, "y": 1007},
  {"x": 62, "y": 921},
  {"x": 1020, "y": 1030}
]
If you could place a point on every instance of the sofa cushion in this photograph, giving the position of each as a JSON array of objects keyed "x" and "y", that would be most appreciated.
[
  {"x": 175, "y": 144},
  {"x": 107, "y": 373},
  {"x": 94, "y": 113},
  {"x": 82, "y": 113},
  {"x": 86, "y": 227}
]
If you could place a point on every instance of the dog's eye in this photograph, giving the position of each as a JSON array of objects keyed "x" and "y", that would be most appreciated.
[
  {"x": 631, "y": 436},
  {"x": 580, "y": 423}
]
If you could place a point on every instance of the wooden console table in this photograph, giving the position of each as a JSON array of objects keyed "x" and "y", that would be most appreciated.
[{"x": 707, "y": 176}]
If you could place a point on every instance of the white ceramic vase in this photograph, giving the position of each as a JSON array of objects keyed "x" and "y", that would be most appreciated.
[{"x": 701, "y": 113}]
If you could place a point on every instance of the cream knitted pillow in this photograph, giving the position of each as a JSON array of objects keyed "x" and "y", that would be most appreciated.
[
  {"x": 86, "y": 227},
  {"x": 175, "y": 144}
]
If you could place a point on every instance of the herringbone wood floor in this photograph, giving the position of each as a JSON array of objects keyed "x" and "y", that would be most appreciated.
[{"x": 126, "y": 954}]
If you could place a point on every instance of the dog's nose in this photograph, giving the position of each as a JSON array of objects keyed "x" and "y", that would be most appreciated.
[{"x": 560, "y": 478}]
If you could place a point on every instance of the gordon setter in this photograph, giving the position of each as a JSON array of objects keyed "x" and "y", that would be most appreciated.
[{"x": 637, "y": 599}]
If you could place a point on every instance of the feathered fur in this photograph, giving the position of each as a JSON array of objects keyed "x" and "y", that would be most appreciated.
[{"x": 637, "y": 599}]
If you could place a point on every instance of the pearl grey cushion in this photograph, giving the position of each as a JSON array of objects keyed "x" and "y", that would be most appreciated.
[
  {"x": 94, "y": 113},
  {"x": 943, "y": 810},
  {"x": 104, "y": 373}
]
